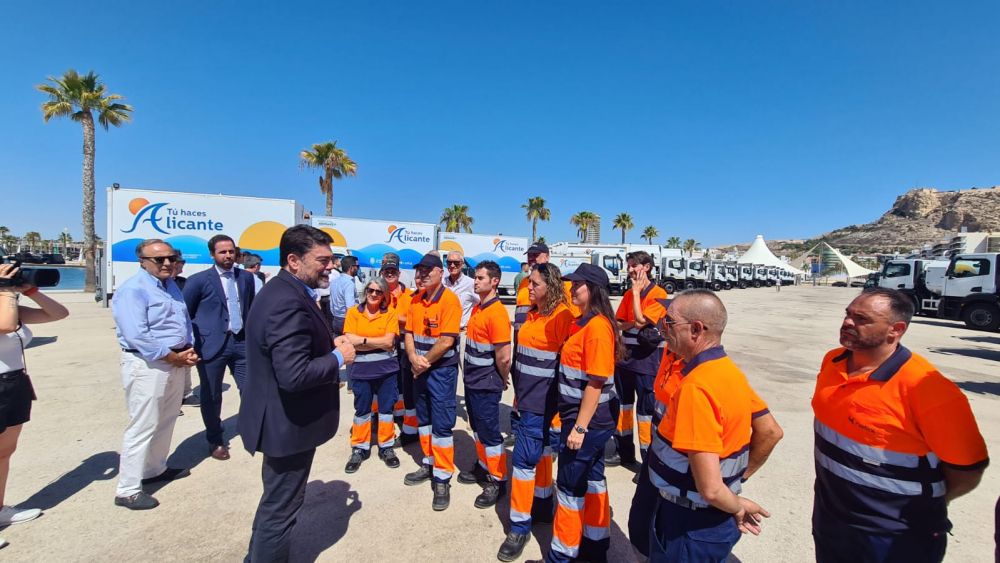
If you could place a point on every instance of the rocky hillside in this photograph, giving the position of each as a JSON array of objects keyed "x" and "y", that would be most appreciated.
[{"x": 921, "y": 215}]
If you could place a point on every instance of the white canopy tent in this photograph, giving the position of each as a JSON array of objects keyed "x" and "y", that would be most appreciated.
[
  {"x": 759, "y": 253},
  {"x": 853, "y": 269}
]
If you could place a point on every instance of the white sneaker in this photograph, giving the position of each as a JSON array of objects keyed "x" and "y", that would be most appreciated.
[
  {"x": 3, "y": 542},
  {"x": 14, "y": 515}
]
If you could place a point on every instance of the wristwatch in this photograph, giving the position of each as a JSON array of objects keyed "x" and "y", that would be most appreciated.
[{"x": 580, "y": 429}]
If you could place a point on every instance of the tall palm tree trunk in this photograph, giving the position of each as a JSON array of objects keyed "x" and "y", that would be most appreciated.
[
  {"x": 623, "y": 236},
  {"x": 89, "y": 245},
  {"x": 534, "y": 229},
  {"x": 328, "y": 185}
]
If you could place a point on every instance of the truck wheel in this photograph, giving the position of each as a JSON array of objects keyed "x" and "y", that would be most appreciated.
[
  {"x": 982, "y": 316},
  {"x": 756, "y": 283},
  {"x": 689, "y": 285},
  {"x": 669, "y": 287},
  {"x": 716, "y": 286},
  {"x": 916, "y": 306}
]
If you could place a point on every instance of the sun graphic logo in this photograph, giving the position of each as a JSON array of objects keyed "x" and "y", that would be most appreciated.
[
  {"x": 145, "y": 212},
  {"x": 396, "y": 233}
]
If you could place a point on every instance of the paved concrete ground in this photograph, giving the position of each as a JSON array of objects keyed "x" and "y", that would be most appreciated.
[{"x": 67, "y": 461}]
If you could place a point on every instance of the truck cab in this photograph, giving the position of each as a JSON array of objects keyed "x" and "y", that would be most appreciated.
[
  {"x": 967, "y": 291},
  {"x": 759, "y": 275},
  {"x": 716, "y": 276},
  {"x": 732, "y": 276},
  {"x": 614, "y": 265},
  {"x": 745, "y": 275},
  {"x": 910, "y": 276}
]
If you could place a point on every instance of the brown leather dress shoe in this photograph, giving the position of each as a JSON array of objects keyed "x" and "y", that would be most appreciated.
[{"x": 220, "y": 453}]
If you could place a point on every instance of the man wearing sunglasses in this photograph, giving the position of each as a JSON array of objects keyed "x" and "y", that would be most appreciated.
[
  {"x": 461, "y": 284},
  {"x": 155, "y": 335}
]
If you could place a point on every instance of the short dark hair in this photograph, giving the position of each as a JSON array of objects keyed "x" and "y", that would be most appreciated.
[
  {"x": 900, "y": 304},
  {"x": 348, "y": 261},
  {"x": 299, "y": 240},
  {"x": 641, "y": 257},
  {"x": 491, "y": 267},
  {"x": 217, "y": 239}
]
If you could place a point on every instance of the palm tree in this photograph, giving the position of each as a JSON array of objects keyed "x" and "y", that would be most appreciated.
[
  {"x": 541, "y": 240},
  {"x": 456, "y": 218},
  {"x": 624, "y": 222},
  {"x": 673, "y": 242},
  {"x": 78, "y": 97},
  {"x": 536, "y": 211},
  {"x": 583, "y": 221},
  {"x": 690, "y": 245},
  {"x": 334, "y": 162},
  {"x": 4, "y": 231},
  {"x": 65, "y": 239},
  {"x": 31, "y": 239},
  {"x": 649, "y": 233}
]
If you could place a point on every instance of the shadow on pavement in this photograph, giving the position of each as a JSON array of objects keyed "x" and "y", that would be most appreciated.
[
  {"x": 41, "y": 341},
  {"x": 983, "y": 339},
  {"x": 970, "y": 352},
  {"x": 194, "y": 449},
  {"x": 936, "y": 322},
  {"x": 98, "y": 467},
  {"x": 324, "y": 518},
  {"x": 981, "y": 387}
]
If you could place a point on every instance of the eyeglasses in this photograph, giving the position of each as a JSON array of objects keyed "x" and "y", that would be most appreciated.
[
  {"x": 390, "y": 272},
  {"x": 454, "y": 262},
  {"x": 373, "y": 291},
  {"x": 666, "y": 323},
  {"x": 160, "y": 260}
]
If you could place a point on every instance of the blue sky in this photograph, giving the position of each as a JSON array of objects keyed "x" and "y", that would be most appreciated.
[{"x": 710, "y": 120}]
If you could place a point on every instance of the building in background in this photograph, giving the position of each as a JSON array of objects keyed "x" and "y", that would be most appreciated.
[{"x": 593, "y": 234}]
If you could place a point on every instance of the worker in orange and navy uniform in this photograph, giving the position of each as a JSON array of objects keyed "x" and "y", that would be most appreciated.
[
  {"x": 372, "y": 327},
  {"x": 637, "y": 315},
  {"x": 538, "y": 253},
  {"x": 582, "y": 527},
  {"x": 765, "y": 434},
  {"x": 405, "y": 410},
  {"x": 546, "y": 326},
  {"x": 896, "y": 442},
  {"x": 432, "y": 329},
  {"x": 703, "y": 449},
  {"x": 486, "y": 372}
]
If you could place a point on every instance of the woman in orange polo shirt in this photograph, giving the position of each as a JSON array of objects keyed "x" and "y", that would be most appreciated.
[
  {"x": 372, "y": 327},
  {"x": 582, "y": 527}
]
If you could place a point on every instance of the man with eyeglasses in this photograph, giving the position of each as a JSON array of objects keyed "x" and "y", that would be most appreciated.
[
  {"x": 705, "y": 445},
  {"x": 218, "y": 300},
  {"x": 155, "y": 335},
  {"x": 461, "y": 284}
]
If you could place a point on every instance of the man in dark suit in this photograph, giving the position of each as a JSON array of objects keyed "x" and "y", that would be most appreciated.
[
  {"x": 291, "y": 404},
  {"x": 218, "y": 300}
]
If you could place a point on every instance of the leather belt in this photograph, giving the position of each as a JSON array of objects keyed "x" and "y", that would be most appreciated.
[
  {"x": 13, "y": 374},
  {"x": 178, "y": 349}
]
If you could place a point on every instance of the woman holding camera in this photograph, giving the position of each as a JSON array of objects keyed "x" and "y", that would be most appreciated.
[{"x": 16, "y": 392}]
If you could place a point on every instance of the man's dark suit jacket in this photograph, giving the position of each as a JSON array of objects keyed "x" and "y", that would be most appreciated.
[
  {"x": 206, "y": 303},
  {"x": 291, "y": 402}
]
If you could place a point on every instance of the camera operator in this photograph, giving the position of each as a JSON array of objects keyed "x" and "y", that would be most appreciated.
[{"x": 16, "y": 392}]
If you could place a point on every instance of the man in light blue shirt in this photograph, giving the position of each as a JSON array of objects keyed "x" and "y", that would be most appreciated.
[
  {"x": 155, "y": 335},
  {"x": 343, "y": 294}
]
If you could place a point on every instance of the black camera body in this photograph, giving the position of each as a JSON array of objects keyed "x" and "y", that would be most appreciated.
[{"x": 38, "y": 277}]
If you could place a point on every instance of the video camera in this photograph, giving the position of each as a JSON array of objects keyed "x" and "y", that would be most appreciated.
[{"x": 38, "y": 277}]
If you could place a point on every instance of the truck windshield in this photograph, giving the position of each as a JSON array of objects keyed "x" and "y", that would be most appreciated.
[{"x": 896, "y": 269}]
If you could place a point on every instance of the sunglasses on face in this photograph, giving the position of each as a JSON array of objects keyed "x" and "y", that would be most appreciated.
[
  {"x": 454, "y": 262},
  {"x": 390, "y": 272},
  {"x": 373, "y": 291},
  {"x": 160, "y": 260}
]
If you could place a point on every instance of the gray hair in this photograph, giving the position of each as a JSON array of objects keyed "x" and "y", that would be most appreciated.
[
  {"x": 460, "y": 255},
  {"x": 705, "y": 306},
  {"x": 149, "y": 242},
  {"x": 384, "y": 286},
  {"x": 251, "y": 260}
]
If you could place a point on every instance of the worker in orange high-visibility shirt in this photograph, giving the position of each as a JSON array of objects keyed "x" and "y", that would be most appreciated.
[
  {"x": 546, "y": 326},
  {"x": 373, "y": 329},
  {"x": 485, "y": 374},
  {"x": 538, "y": 253},
  {"x": 405, "y": 410},
  {"x": 702, "y": 451},
  {"x": 765, "y": 434},
  {"x": 432, "y": 329},
  {"x": 637, "y": 315},
  {"x": 582, "y": 526},
  {"x": 896, "y": 442}
]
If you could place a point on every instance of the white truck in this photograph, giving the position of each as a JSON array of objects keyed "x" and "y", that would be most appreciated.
[
  {"x": 610, "y": 257},
  {"x": 567, "y": 263},
  {"x": 508, "y": 252},
  {"x": 909, "y": 275},
  {"x": 187, "y": 221},
  {"x": 369, "y": 239},
  {"x": 966, "y": 291},
  {"x": 681, "y": 273}
]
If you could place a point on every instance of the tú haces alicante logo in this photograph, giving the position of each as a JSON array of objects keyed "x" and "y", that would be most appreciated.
[
  {"x": 507, "y": 246},
  {"x": 174, "y": 218},
  {"x": 402, "y": 236}
]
